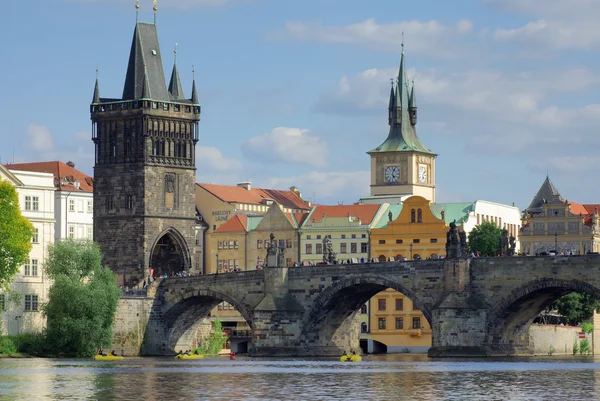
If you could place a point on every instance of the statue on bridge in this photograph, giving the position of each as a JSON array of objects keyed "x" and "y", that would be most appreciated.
[
  {"x": 329, "y": 255},
  {"x": 275, "y": 254},
  {"x": 503, "y": 243},
  {"x": 456, "y": 243},
  {"x": 512, "y": 245}
]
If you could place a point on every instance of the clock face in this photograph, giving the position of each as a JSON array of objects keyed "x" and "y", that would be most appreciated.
[
  {"x": 392, "y": 173},
  {"x": 422, "y": 174}
]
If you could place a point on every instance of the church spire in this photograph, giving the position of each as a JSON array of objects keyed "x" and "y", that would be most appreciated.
[
  {"x": 194, "y": 92},
  {"x": 392, "y": 103},
  {"x": 175, "y": 88},
  {"x": 412, "y": 105},
  {"x": 96, "y": 98}
]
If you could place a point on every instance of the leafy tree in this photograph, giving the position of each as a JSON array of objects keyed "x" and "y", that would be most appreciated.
[
  {"x": 215, "y": 341},
  {"x": 15, "y": 234},
  {"x": 483, "y": 238},
  {"x": 576, "y": 307},
  {"x": 82, "y": 301}
]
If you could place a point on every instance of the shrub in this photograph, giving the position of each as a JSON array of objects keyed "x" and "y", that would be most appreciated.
[
  {"x": 575, "y": 347},
  {"x": 584, "y": 347},
  {"x": 29, "y": 343},
  {"x": 587, "y": 327},
  {"x": 7, "y": 346}
]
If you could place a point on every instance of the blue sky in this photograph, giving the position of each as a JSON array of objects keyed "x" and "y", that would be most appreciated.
[{"x": 295, "y": 93}]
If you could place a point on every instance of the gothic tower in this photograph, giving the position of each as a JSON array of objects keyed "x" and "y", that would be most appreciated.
[
  {"x": 402, "y": 166},
  {"x": 144, "y": 173}
]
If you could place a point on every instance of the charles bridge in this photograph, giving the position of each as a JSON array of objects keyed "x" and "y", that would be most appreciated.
[{"x": 476, "y": 307}]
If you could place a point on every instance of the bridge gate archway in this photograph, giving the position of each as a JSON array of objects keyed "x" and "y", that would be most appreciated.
[{"x": 170, "y": 254}]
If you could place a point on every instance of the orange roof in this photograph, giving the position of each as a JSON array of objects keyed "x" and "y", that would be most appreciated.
[
  {"x": 365, "y": 213},
  {"x": 256, "y": 196},
  {"x": 296, "y": 219},
  {"x": 585, "y": 210},
  {"x": 237, "y": 223},
  {"x": 64, "y": 175}
]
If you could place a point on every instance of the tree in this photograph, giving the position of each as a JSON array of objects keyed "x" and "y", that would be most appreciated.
[
  {"x": 483, "y": 238},
  {"x": 15, "y": 234},
  {"x": 82, "y": 301},
  {"x": 576, "y": 307}
]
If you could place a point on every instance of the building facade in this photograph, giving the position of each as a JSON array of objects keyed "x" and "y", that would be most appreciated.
[
  {"x": 29, "y": 290},
  {"x": 144, "y": 173}
]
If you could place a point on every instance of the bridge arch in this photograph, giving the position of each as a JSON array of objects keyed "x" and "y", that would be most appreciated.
[
  {"x": 338, "y": 304},
  {"x": 188, "y": 308},
  {"x": 512, "y": 314}
]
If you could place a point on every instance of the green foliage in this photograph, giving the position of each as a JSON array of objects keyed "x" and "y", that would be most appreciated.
[
  {"x": 7, "y": 346},
  {"x": 551, "y": 350},
  {"x": 15, "y": 234},
  {"x": 215, "y": 341},
  {"x": 575, "y": 347},
  {"x": 29, "y": 343},
  {"x": 584, "y": 347},
  {"x": 82, "y": 301},
  {"x": 576, "y": 307},
  {"x": 587, "y": 327},
  {"x": 483, "y": 238}
]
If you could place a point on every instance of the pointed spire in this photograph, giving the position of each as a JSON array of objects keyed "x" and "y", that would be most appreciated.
[
  {"x": 194, "y": 92},
  {"x": 146, "y": 88},
  {"x": 392, "y": 103},
  {"x": 412, "y": 105},
  {"x": 175, "y": 88},
  {"x": 96, "y": 98}
]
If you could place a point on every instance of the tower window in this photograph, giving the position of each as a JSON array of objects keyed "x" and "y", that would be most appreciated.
[
  {"x": 129, "y": 202},
  {"x": 412, "y": 215},
  {"x": 420, "y": 216}
]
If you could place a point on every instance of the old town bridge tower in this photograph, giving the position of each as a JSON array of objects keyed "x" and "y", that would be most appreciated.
[{"x": 144, "y": 173}]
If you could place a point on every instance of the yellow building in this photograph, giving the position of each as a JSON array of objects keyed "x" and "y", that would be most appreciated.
[{"x": 552, "y": 225}]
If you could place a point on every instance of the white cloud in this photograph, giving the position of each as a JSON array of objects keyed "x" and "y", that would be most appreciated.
[
  {"x": 557, "y": 24},
  {"x": 210, "y": 159},
  {"x": 289, "y": 145},
  {"x": 423, "y": 37},
  {"x": 325, "y": 187},
  {"x": 83, "y": 135},
  {"x": 39, "y": 138}
]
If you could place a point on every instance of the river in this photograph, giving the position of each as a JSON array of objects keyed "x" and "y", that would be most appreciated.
[{"x": 388, "y": 377}]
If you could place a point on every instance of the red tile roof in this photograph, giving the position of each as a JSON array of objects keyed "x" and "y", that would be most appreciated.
[
  {"x": 64, "y": 175},
  {"x": 365, "y": 213},
  {"x": 237, "y": 223},
  {"x": 235, "y": 194},
  {"x": 586, "y": 210}
]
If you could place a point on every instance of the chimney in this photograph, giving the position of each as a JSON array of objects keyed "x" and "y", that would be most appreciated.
[
  {"x": 296, "y": 191},
  {"x": 71, "y": 164},
  {"x": 246, "y": 185}
]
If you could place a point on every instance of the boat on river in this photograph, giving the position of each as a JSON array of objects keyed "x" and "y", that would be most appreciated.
[
  {"x": 186, "y": 356},
  {"x": 350, "y": 358},
  {"x": 108, "y": 357}
]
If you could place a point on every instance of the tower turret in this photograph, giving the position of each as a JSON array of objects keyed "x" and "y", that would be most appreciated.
[
  {"x": 96, "y": 98},
  {"x": 412, "y": 105},
  {"x": 391, "y": 105}
]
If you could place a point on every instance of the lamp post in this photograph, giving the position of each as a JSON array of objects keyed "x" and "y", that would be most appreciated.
[
  {"x": 411, "y": 246},
  {"x": 217, "y": 266},
  {"x": 556, "y": 243}
]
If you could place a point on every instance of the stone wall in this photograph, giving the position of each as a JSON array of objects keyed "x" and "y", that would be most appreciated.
[
  {"x": 547, "y": 339},
  {"x": 130, "y": 324}
]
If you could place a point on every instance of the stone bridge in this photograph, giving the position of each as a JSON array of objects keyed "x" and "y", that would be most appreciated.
[{"x": 476, "y": 307}]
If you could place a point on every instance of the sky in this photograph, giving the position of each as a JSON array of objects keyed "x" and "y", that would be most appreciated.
[{"x": 295, "y": 92}]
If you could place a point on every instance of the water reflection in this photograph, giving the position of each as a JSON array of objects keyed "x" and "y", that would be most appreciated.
[{"x": 376, "y": 378}]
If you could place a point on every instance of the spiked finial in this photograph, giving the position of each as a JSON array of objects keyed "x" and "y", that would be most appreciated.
[
  {"x": 96, "y": 98},
  {"x": 155, "y": 8},
  {"x": 137, "y": 10},
  {"x": 194, "y": 92},
  {"x": 175, "y": 54},
  {"x": 402, "y": 42}
]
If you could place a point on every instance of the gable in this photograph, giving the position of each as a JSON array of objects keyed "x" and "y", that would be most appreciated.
[{"x": 275, "y": 220}]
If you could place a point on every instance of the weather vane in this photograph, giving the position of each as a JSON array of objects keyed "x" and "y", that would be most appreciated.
[
  {"x": 175, "y": 53},
  {"x": 155, "y": 9},
  {"x": 137, "y": 10}
]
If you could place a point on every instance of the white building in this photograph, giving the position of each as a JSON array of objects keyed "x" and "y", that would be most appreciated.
[{"x": 21, "y": 308}]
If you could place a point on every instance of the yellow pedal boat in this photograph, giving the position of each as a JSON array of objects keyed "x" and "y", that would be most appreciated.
[
  {"x": 192, "y": 356},
  {"x": 108, "y": 358},
  {"x": 350, "y": 358}
]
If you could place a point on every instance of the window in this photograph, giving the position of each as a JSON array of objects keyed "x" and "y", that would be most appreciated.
[
  {"x": 288, "y": 243},
  {"x": 35, "y": 203},
  {"x": 363, "y": 309},
  {"x": 416, "y": 241},
  {"x": 399, "y": 323},
  {"x": 90, "y": 233},
  {"x": 71, "y": 231},
  {"x": 36, "y": 236},
  {"x": 308, "y": 249},
  {"x": 220, "y": 245},
  {"x": 412, "y": 215},
  {"x": 381, "y": 304},
  {"x": 353, "y": 235},
  {"x": 399, "y": 304},
  {"x": 230, "y": 245},
  {"x": 71, "y": 205},
  {"x": 363, "y": 247},
  {"x": 259, "y": 244},
  {"x": 236, "y": 244},
  {"x": 308, "y": 236},
  {"x": 416, "y": 323},
  {"x": 363, "y": 236},
  {"x": 80, "y": 208},
  {"x": 129, "y": 202},
  {"x": 433, "y": 240},
  {"x": 31, "y": 303},
  {"x": 364, "y": 328},
  {"x": 34, "y": 267},
  {"x": 381, "y": 241},
  {"x": 343, "y": 247},
  {"x": 381, "y": 323},
  {"x": 28, "y": 203},
  {"x": 343, "y": 236},
  {"x": 420, "y": 216},
  {"x": 318, "y": 237},
  {"x": 399, "y": 241},
  {"x": 319, "y": 248},
  {"x": 353, "y": 247},
  {"x": 282, "y": 243},
  {"x": 109, "y": 203},
  {"x": 90, "y": 207}
]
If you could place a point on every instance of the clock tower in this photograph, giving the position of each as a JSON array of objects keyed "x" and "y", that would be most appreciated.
[{"x": 402, "y": 166}]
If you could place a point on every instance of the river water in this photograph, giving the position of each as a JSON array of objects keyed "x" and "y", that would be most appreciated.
[{"x": 389, "y": 377}]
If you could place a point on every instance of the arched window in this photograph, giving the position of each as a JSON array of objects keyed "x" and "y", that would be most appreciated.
[
  {"x": 363, "y": 327},
  {"x": 434, "y": 256},
  {"x": 412, "y": 215},
  {"x": 382, "y": 258},
  {"x": 417, "y": 257},
  {"x": 420, "y": 216}
]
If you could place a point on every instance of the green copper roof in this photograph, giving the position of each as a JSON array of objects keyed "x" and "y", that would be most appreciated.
[
  {"x": 385, "y": 219},
  {"x": 403, "y": 135},
  {"x": 457, "y": 212},
  {"x": 253, "y": 222}
]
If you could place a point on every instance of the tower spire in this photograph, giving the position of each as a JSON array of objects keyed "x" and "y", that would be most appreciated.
[
  {"x": 392, "y": 103},
  {"x": 175, "y": 88},
  {"x": 194, "y": 92},
  {"x": 96, "y": 98},
  {"x": 412, "y": 105}
]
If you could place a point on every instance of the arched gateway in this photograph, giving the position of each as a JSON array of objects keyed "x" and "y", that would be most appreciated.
[{"x": 170, "y": 254}]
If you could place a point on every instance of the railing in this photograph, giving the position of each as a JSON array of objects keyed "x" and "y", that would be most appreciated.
[{"x": 135, "y": 292}]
